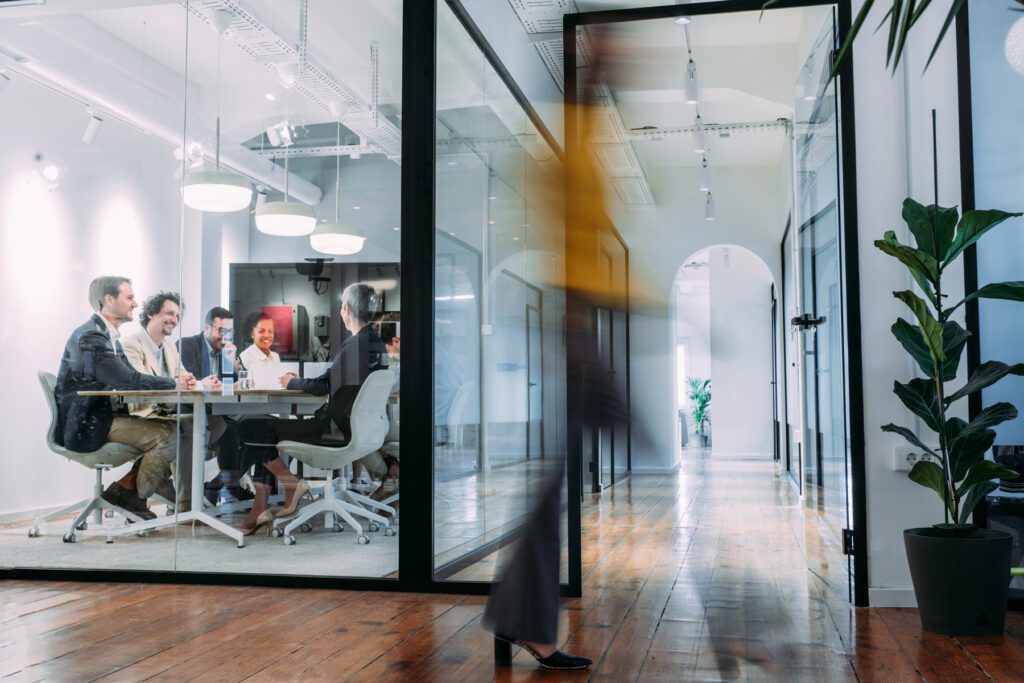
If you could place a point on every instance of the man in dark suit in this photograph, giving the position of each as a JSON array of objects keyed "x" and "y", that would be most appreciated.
[
  {"x": 93, "y": 360},
  {"x": 201, "y": 354},
  {"x": 358, "y": 356}
]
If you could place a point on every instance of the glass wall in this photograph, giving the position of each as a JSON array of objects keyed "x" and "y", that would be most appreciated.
[
  {"x": 997, "y": 99},
  {"x": 499, "y": 390},
  {"x": 188, "y": 149}
]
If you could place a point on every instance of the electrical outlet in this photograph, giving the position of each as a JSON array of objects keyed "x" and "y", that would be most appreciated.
[{"x": 905, "y": 457}]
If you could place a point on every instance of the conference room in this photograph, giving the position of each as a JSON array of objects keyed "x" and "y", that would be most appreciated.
[{"x": 203, "y": 226}]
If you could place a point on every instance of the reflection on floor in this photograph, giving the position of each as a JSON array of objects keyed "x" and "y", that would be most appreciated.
[{"x": 698, "y": 576}]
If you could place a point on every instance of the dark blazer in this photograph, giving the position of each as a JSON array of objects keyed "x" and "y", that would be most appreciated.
[
  {"x": 193, "y": 356},
  {"x": 90, "y": 364},
  {"x": 358, "y": 356}
]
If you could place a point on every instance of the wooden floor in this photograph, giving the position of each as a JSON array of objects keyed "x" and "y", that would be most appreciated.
[{"x": 695, "y": 577}]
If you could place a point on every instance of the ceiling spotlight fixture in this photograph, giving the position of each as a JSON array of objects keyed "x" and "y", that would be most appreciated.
[
  {"x": 281, "y": 135},
  {"x": 682, "y": 21},
  {"x": 690, "y": 83},
  {"x": 92, "y": 128},
  {"x": 217, "y": 191},
  {"x": 271, "y": 96},
  {"x": 700, "y": 138},
  {"x": 336, "y": 238},
  {"x": 709, "y": 208},
  {"x": 704, "y": 174}
]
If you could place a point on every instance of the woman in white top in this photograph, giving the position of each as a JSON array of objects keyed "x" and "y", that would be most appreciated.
[
  {"x": 260, "y": 328},
  {"x": 258, "y": 358}
]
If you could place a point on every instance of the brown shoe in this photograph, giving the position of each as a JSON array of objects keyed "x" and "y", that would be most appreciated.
[
  {"x": 127, "y": 499},
  {"x": 385, "y": 491}
]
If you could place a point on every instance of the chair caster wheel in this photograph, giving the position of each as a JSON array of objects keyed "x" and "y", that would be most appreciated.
[
  {"x": 394, "y": 521},
  {"x": 306, "y": 528},
  {"x": 277, "y": 533},
  {"x": 373, "y": 527},
  {"x": 337, "y": 528},
  {"x": 363, "y": 539},
  {"x": 289, "y": 540},
  {"x": 108, "y": 514},
  {"x": 33, "y": 532},
  {"x": 390, "y": 531},
  {"x": 70, "y": 537}
]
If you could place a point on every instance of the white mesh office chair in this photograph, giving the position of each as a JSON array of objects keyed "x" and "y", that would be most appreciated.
[
  {"x": 369, "y": 425},
  {"x": 109, "y": 456}
]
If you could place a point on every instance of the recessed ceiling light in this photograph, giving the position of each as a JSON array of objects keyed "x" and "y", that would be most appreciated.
[
  {"x": 271, "y": 96},
  {"x": 452, "y": 234},
  {"x": 516, "y": 238},
  {"x": 682, "y": 21},
  {"x": 492, "y": 198},
  {"x": 356, "y": 208},
  {"x": 396, "y": 228},
  {"x": 453, "y": 163},
  {"x": 490, "y": 222}
]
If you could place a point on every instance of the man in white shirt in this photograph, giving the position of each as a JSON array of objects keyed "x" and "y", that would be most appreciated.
[{"x": 151, "y": 351}]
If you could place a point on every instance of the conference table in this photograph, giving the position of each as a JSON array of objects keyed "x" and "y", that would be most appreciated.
[{"x": 241, "y": 402}]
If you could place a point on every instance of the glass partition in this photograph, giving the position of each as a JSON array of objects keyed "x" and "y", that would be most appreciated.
[
  {"x": 997, "y": 74},
  {"x": 499, "y": 368},
  {"x": 186, "y": 151}
]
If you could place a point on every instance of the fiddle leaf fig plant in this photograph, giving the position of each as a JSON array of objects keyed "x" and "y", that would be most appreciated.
[{"x": 958, "y": 471}]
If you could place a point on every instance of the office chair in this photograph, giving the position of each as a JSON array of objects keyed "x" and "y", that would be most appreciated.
[
  {"x": 369, "y": 425},
  {"x": 109, "y": 456}
]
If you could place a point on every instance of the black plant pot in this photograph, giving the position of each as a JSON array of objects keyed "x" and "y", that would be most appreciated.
[{"x": 961, "y": 583}]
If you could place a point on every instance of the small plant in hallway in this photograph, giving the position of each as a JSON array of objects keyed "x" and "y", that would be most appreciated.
[
  {"x": 699, "y": 394},
  {"x": 960, "y": 573}
]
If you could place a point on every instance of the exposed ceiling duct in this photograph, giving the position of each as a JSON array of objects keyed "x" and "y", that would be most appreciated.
[
  {"x": 76, "y": 57},
  {"x": 289, "y": 62}
]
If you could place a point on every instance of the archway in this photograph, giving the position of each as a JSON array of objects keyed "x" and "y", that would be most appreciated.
[{"x": 723, "y": 336}]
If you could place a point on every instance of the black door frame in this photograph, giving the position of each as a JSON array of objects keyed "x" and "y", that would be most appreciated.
[{"x": 848, "y": 198}]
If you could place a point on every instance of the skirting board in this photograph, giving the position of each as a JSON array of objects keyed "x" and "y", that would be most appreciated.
[{"x": 891, "y": 597}]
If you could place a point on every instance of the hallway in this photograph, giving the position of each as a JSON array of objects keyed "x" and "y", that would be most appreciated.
[{"x": 695, "y": 577}]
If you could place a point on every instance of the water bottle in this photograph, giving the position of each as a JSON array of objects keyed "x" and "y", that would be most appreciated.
[{"x": 227, "y": 357}]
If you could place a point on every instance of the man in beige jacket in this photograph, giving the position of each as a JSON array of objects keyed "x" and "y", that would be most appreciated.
[{"x": 151, "y": 351}]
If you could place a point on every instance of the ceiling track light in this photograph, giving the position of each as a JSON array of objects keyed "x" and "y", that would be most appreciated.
[
  {"x": 92, "y": 128},
  {"x": 335, "y": 238},
  {"x": 690, "y": 89},
  {"x": 682, "y": 21},
  {"x": 700, "y": 137},
  {"x": 704, "y": 174},
  {"x": 217, "y": 191},
  {"x": 709, "y": 208}
]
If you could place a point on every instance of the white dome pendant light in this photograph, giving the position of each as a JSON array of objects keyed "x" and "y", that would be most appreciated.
[
  {"x": 334, "y": 238},
  {"x": 285, "y": 219},
  {"x": 217, "y": 191}
]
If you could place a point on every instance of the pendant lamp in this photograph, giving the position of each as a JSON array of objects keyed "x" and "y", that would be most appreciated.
[
  {"x": 217, "y": 191},
  {"x": 709, "y": 208},
  {"x": 700, "y": 138},
  {"x": 690, "y": 90},
  {"x": 335, "y": 238},
  {"x": 285, "y": 219},
  {"x": 704, "y": 175}
]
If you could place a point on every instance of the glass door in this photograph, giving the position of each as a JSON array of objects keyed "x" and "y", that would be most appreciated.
[{"x": 821, "y": 318}]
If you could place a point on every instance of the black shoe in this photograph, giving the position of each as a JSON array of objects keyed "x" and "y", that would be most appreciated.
[
  {"x": 557, "y": 660},
  {"x": 127, "y": 499}
]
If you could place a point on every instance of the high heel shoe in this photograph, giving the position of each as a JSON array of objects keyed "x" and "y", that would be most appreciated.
[
  {"x": 557, "y": 660},
  {"x": 265, "y": 517},
  {"x": 301, "y": 489}
]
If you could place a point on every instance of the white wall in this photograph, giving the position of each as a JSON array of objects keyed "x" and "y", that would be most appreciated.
[
  {"x": 741, "y": 353},
  {"x": 116, "y": 212}
]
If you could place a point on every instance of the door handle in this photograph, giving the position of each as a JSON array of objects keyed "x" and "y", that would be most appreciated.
[{"x": 807, "y": 321}]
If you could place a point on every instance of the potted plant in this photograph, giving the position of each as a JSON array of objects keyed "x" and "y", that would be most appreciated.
[
  {"x": 961, "y": 573},
  {"x": 700, "y": 396}
]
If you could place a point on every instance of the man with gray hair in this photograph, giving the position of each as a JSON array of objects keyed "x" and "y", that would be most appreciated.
[
  {"x": 356, "y": 358},
  {"x": 94, "y": 361}
]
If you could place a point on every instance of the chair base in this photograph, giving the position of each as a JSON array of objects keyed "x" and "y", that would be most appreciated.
[
  {"x": 330, "y": 505},
  {"x": 95, "y": 505}
]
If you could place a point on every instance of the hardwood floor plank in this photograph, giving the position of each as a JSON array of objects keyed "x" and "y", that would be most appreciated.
[{"x": 939, "y": 658}]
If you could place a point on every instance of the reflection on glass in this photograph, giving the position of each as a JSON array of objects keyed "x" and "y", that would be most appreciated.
[
  {"x": 499, "y": 365},
  {"x": 119, "y": 109}
]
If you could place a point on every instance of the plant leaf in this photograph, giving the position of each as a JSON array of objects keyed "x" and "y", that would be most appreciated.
[
  {"x": 986, "y": 375},
  {"x": 1006, "y": 291},
  {"x": 984, "y": 470},
  {"x": 894, "y": 13},
  {"x": 905, "y": 25},
  {"x": 929, "y": 475},
  {"x": 973, "y": 497},
  {"x": 919, "y": 396},
  {"x": 933, "y": 227},
  {"x": 972, "y": 225},
  {"x": 837, "y": 65},
  {"x": 920, "y": 264},
  {"x": 911, "y": 437},
  {"x": 990, "y": 417},
  {"x": 931, "y": 330},
  {"x": 966, "y": 451},
  {"x": 953, "y": 11},
  {"x": 954, "y": 339}
]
